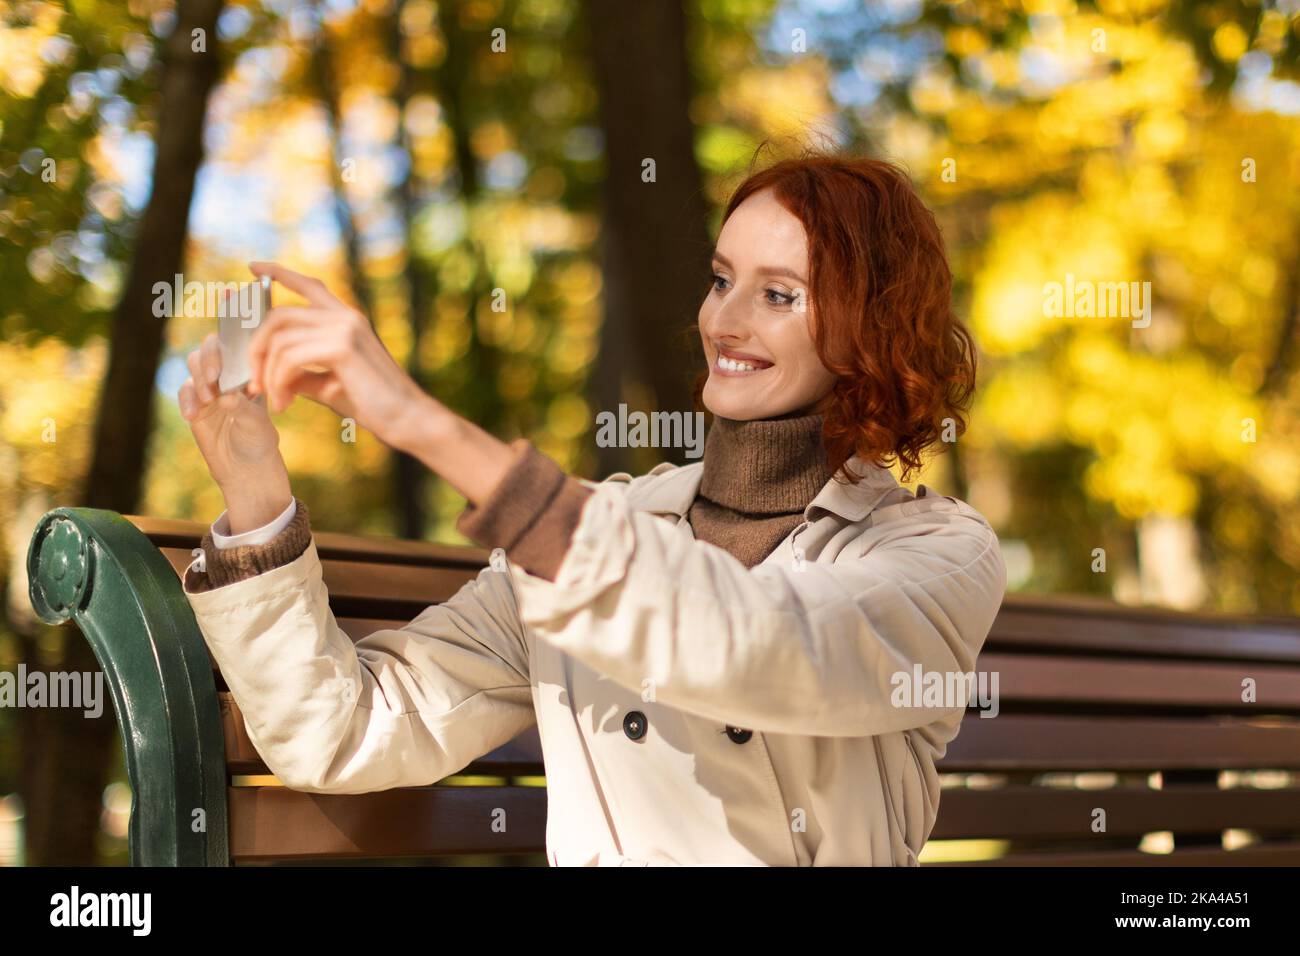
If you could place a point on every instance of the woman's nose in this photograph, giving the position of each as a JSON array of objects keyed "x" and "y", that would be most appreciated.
[{"x": 726, "y": 320}]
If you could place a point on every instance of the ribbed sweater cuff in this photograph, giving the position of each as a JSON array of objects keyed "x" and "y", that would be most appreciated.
[
  {"x": 531, "y": 514},
  {"x": 229, "y": 565}
]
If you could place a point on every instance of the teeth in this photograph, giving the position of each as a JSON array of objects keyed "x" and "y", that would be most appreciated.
[{"x": 731, "y": 365}]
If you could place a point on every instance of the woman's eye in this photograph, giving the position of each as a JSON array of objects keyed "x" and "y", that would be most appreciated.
[
  {"x": 782, "y": 298},
  {"x": 716, "y": 279}
]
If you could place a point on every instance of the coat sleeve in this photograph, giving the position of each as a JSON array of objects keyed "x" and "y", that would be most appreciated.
[
  {"x": 821, "y": 649},
  {"x": 402, "y": 707}
]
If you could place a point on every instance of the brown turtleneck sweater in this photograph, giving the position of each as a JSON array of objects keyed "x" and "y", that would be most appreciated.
[{"x": 758, "y": 478}]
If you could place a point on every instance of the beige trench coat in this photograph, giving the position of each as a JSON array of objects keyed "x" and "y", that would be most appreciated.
[{"x": 644, "y": 664}]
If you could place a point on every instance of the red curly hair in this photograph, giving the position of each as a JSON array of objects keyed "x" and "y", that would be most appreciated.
[{"x": 882, "y": 296}]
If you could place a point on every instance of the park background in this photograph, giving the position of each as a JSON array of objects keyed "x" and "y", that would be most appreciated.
[{"x": 419, "y": 155}]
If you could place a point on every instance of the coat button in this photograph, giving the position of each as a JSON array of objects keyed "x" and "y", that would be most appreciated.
[
  {"x": 634, "y": 724},
  {"x": 737, "y": 735}
]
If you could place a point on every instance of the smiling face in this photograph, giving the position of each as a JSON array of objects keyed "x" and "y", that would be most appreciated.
[{"x": 755, "y": 320}]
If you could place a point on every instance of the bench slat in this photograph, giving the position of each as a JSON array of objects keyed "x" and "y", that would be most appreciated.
[
  {"x": 1055, "y": 623},
  {"x": 1065, "y": 624},
  {"x": 362, "y": 586},
  {"x": 1019, "y": 812},
  {"x": 1017, "y": 742},
  {"x": 1009, "y": 742},
  {"x": 272, "y": 823},
  {"x": 1049, "y": 682},
  {"x": 178, "y": 533},
  {"x": 1053, "y": 681}
]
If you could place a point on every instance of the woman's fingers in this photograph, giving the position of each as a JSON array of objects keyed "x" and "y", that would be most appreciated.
[
  {"x": 302, "y": 367},
  {"x": 276, "y": 323},
  {"x": 257, "y": 348},
  {"x": 280, "y": 362},
  {"x": 311, "y": 289},
  {"x": 202, "y": 390},
  {"x": 293, "y": 315},
  {"x": 301, "y": 364},
  {"x": 187, "y": 400},
  {"x": 193, "y": 407},
  {"x": 210, "y": 362},
  {"x": 321, "y": 387}
]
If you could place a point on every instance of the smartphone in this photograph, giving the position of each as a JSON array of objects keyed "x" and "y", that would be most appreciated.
[{"x": 236, "y": 326}]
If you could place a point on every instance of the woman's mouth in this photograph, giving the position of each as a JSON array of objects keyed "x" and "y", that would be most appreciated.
[{"x": 737, "y": 364}]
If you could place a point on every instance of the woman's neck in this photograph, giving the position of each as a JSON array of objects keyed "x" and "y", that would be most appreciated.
[{"x": 765, "y": 466}]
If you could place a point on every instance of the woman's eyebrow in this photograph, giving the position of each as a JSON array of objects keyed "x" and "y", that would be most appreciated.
[{"x": 769, "y": 270}]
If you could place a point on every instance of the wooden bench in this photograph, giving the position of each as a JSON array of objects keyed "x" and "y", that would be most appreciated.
[{"x": 1136, "y": 712}]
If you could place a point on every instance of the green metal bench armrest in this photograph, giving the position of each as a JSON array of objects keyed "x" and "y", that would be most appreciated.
[{"x": 97, "y": 569}]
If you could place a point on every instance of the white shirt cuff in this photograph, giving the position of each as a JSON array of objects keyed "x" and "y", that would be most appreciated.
[{"x": 223, "y": 539}]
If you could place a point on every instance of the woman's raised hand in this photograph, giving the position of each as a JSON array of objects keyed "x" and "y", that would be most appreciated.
[
  {"x": 237, "y": 440},
  {"x": 328, "y": 352}
]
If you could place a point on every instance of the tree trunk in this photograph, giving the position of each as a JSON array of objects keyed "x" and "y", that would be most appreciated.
[
  {"x": 65, "y": 758},
  {"x": 656, "y": 241},
  {"x": 125, "y": 413},
  {"x": 408, "y": 474}
]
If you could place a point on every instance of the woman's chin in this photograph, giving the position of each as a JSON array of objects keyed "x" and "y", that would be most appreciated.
[{"x": 725, "y": 400}]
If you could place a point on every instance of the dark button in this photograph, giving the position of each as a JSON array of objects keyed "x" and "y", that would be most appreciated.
[
  {"x": 634, "y": 724},
  {"x": 739, "y": 736}
]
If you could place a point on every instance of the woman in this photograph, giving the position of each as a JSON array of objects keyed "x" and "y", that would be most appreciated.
[{"x": 715, "y": 655}]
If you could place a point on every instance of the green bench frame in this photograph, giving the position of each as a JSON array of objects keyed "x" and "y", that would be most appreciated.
[{"x": 97, "y": 569}]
